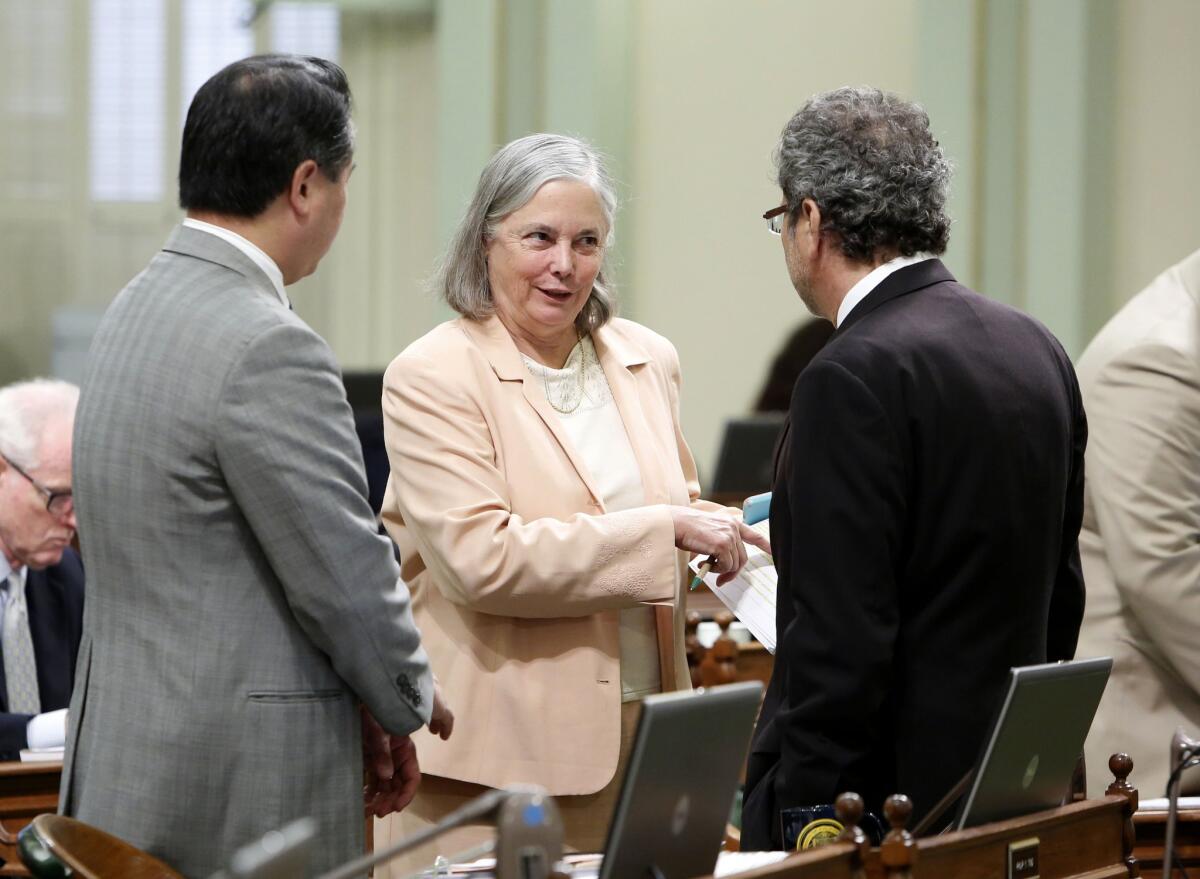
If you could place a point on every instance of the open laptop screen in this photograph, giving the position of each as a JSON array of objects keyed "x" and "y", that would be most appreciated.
[
  {"x": 676, "y": 796},
  {"x": 1031, "y": 752}
]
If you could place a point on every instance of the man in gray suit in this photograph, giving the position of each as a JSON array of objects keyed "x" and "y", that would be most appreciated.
[{"x": 241, "y": 603}]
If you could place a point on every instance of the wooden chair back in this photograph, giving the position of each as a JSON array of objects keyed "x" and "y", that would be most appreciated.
[{"x": 93, "y": 854}]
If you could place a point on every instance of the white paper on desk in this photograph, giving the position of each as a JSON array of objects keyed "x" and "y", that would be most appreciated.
[
  {"x": 588, "y": 866},
  {"x": 1160, "y": 804},
  {"x": 41, "y": 755},
  {"x": 751, "y": 594}
]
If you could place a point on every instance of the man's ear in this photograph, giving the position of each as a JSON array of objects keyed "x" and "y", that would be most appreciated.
[
  {"x": 301, "y": 190},
  {"x": 810, "y": 216}
]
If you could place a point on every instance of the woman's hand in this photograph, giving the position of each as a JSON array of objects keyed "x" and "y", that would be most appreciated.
[{"x": 716, "y": 534}]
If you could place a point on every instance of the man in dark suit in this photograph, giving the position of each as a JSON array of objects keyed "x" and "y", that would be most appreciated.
[
  {"x": 41, "y": 579},
  {"x": 928, "y": 491}
]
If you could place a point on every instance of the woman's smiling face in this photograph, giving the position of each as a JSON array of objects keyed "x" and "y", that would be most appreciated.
[{"x": 544, "y": 257}]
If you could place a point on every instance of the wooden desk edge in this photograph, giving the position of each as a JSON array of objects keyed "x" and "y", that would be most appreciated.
[
  {"x": 1047, "y": 820},
  {"x": 37, "y": 767}
]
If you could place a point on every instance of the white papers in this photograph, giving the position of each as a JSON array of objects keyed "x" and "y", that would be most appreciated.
[
  {"x": 587, "y": 866},
  {"x": 731, "y": 863},
  {"x": 1160, "y": 804},
  {"x": 41, "y": 755},
  {"x": 751, "y": 594}
]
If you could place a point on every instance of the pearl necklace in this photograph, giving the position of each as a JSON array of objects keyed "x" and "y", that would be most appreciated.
[{"x": 565, "y": 397}]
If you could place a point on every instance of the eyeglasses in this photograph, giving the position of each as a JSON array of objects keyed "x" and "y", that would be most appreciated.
[
  {"x": 775, "y": 218},
  {"x": 59, "y": 503}
]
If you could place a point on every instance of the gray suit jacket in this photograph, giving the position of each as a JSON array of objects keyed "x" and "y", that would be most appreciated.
[
  {"x": 1141, "y": 557},
  {"x": 240, "y": 601}
]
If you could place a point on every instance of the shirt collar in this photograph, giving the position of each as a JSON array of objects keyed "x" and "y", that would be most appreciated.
[
  {"x": 7, "y": 571},
  {"x": 872, "y": 280},
  {"x": 251, "y": 250}
]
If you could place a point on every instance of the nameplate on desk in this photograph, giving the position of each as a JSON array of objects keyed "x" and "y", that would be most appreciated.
[{"x": 1023, "y": 859}]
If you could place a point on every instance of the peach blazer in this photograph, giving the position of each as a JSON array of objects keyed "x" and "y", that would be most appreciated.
[{"x": 516, "y": 570}]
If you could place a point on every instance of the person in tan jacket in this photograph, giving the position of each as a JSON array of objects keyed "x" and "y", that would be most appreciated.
[
  {"x": 543, "y": 499},
  {"x": 1140, "y": 543}
]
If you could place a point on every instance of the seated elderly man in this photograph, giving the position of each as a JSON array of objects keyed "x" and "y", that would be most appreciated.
[{"x": 41, "y": 578}]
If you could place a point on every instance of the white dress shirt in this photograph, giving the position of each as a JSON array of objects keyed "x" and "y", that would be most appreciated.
[
  {"x": 251, "y": 250},
  {"x": 48, "y": 730},
  {"x": 872, "y": 280},
  {"x": 6, "y": 569}
]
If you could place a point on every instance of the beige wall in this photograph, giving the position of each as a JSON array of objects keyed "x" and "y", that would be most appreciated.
[
  {"x": 712, "y": 92},
  {"x": 1156, "y": 125}
]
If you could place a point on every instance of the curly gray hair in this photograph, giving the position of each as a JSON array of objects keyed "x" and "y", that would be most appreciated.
[
  {"x": 507, "y": 183},
  {"x": 870, "y": 162}
]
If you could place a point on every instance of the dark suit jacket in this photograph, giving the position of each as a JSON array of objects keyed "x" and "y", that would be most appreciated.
[
  {"x": 54, "y": 597},
  {"x": 924, "y": 523}
]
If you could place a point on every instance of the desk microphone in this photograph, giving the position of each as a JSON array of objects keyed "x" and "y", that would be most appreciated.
[
  {"x": 529, "y": 836},
  {"x": 1185, "y": 752},
  {"x": 528, "y": 841}
]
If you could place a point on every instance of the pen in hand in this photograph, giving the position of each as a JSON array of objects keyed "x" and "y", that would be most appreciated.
[{"x": 702, "y": 572}]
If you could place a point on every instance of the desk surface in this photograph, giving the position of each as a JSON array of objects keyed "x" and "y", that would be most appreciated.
[{"x": 26, "y": 791}]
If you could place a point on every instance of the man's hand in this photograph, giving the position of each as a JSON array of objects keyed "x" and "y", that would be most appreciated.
[
  {"x": 392, "y": 771},
  {"x": 441, "y": 721}
]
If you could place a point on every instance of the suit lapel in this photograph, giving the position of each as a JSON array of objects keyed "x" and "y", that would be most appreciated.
[
  {"x": 497, "y": 345},
  {"x": 623, "y": 362}
]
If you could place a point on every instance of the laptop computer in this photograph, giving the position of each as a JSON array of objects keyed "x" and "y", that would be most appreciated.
[
  {"x": 747, "y": 458},
  {"x": 678, "y": 789},
  {"x": 1029, "y": 756}
]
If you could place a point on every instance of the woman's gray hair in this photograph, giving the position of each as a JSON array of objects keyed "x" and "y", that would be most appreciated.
[
  {"x": 27, "y": 410},
  {"x": 870, "y": 162},
  {"x": 508, "y": 182}
]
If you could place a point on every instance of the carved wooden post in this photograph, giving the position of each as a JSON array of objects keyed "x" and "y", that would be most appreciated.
[
  {"x": 692, "y": 647},
  {"x": 1120, "y": 765},
  {"x": 720, "y": 662},
  {"x": 898, "y": 852},
  {"x": 849, "y": 811}
]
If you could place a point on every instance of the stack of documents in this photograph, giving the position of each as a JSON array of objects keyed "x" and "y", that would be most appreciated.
[
  {"x": 751, "y": 594},
  {"x": 41, "y": 755},
  {"x": 588, "y": 866}
]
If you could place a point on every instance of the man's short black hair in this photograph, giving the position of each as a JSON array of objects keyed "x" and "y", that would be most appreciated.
[{"x": 253, "y": 123}]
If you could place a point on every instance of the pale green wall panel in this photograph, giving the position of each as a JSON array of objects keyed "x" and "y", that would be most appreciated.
[
  {"x": 1001, "y": 159},
  {"x": 947, "y": 85},
  {"x": 468, "y": 101},
  {"x": 1056, "y": 141},
  {"x": 523, "y": 74}
]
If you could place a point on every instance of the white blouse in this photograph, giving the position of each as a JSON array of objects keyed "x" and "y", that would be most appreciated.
[{"x": 583, "y": 402}]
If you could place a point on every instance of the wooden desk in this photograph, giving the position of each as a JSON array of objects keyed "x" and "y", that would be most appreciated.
[
  {"x": 1149, "y": 829},
  {"x": 26, "y": 791},
  {"x": 1083, "y": 840},
  {"x": 754, "y": 663}
]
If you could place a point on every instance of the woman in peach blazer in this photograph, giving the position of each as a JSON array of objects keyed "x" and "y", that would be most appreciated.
[{"x": 543, "y": 499}]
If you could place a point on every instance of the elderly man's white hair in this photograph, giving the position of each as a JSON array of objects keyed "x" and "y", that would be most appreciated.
[{"x": 27, "y": 409}]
